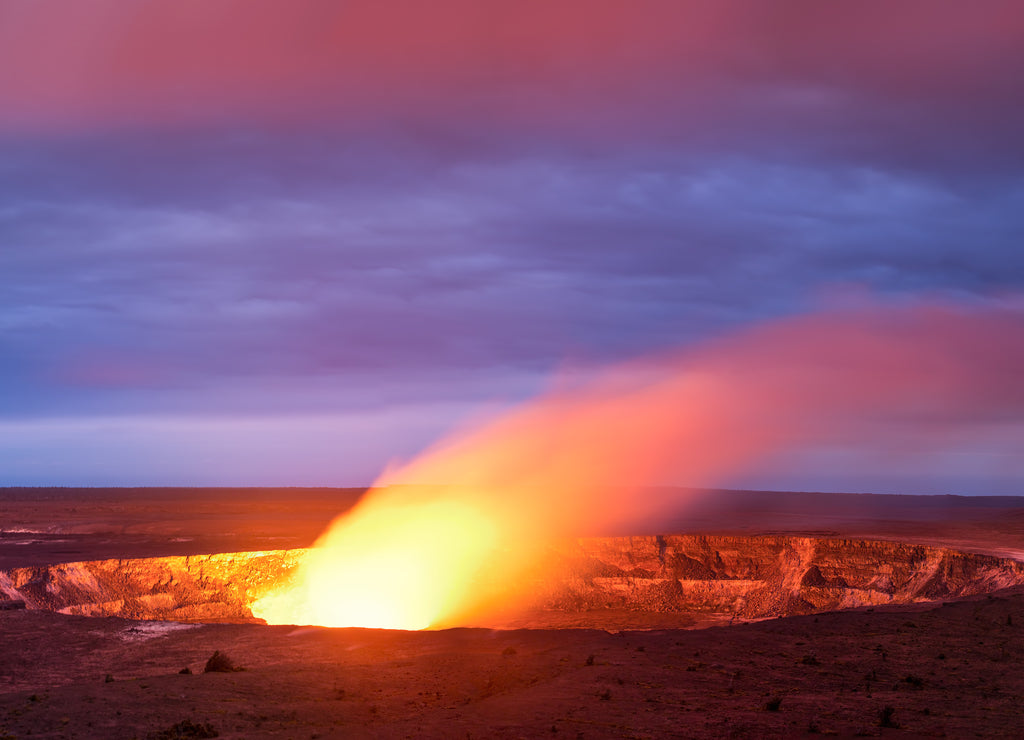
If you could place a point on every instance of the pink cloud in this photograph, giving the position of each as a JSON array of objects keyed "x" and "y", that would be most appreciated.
[{"x": 168, "y": 62}]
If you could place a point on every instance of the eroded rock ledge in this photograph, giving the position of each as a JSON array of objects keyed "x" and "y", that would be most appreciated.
[
  {"x": 750, "y": 577},
  {"x": 197, "y": 588},
  {"x": 765, "y": 576}
]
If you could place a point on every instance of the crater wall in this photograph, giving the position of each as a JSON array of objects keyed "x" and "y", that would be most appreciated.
[
  {"x": 762, "y": 576},
  {"x": 196, "y": 588},
  {"x": 750, "y": 577}
]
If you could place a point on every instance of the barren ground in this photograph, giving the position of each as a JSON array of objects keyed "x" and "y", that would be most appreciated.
[{"x": 942, "y": 669}]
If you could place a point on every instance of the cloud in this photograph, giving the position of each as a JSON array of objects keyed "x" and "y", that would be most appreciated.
[
  {"x": 507, "y": 263},
  {"x": 289, "y": 449},
  {"x": 213, "y": 208},
  {"x": 907, "y": 83}
]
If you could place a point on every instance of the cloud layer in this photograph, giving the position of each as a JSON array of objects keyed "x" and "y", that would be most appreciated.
[{"x": 255, "y": 210}]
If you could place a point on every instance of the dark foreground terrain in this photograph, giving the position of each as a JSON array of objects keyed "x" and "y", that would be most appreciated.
[
  {"x": 948, "y": 670},
  {"x": 930, "y": 669}
]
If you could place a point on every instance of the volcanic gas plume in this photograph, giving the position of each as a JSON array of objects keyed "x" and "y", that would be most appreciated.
[{"x": 574, "y": 460}]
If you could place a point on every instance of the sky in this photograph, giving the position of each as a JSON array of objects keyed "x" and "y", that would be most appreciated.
[{"x": 260, "y": 243}]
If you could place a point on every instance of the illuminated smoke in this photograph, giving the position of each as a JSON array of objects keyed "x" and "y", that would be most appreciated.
[{"x": 583, "y": 457}]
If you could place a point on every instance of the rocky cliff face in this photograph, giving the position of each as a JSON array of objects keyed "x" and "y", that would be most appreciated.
[
  {"x": 198, "y": 588},
  {"x": 750, "y": 577},
  {"x": 755, "y": 577}
]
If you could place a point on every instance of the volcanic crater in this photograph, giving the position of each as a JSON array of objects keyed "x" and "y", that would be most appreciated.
[
  {"x": 592, "y": 582},
  {"x": 852, "y": 614}
]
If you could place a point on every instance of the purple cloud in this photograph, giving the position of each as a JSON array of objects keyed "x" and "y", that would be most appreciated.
[{"x": 335, "y": 209}]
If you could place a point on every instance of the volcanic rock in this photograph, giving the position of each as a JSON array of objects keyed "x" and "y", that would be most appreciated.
[{"x": 744, "y": 577}]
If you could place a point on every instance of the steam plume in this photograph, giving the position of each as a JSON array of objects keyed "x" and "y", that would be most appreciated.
[{"x": 691, "y": 417}]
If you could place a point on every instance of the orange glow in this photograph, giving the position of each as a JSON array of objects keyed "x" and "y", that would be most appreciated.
[
  {"x": 412, "y": 557},
  {"x": 388, "y": 566},
  {"x": 576, "y": 461}
]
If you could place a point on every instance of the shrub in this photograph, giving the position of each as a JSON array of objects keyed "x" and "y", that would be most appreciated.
[
  {"x": 220, "y": 663},
  {"x": 885, "y": 718}
]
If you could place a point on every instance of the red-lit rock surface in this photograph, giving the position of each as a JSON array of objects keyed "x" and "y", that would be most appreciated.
[
  {"x": 744, "y": 577},
  {"x": 765, "y": 576},
  {"x": 182, "y": 588}
]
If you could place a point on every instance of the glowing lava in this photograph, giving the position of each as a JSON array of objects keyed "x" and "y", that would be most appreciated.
[{"x": 399, "y": 566}]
